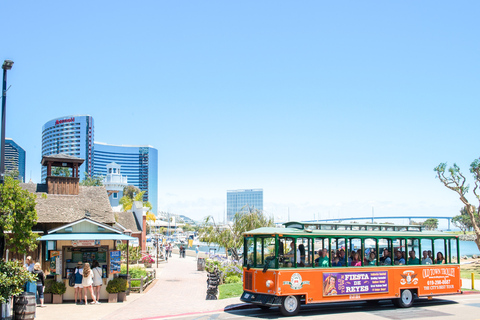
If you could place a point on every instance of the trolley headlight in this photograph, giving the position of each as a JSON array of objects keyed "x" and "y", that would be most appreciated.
[{"x": 269, "y": 283}]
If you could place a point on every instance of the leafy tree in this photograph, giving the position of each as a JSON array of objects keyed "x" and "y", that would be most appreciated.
[
  {"x": 463, "y": 220},
  {"x": 95, "y": 181},
  {"x": 127, "y": 202},
  {"x": 454, "y": 180},
  {"x": 12, "y": 278},
  {"x": 150, "y": 217},
  {"x": 61, "y": 172},
  {"x": 431, "y": 224},
  {"x": 134, "y": 253},
  {"x": 230, "y": 236},
  {"x": 130, "y": 191},
  {"x": 18, "y": 216}
]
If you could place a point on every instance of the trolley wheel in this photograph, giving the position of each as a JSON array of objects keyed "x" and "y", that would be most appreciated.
[
  {"x": 290, "y": 306},
  {"x": 405, "y": 300}
]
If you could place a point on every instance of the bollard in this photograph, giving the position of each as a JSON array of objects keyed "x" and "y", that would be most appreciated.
[{"x": 473, "y": 281}]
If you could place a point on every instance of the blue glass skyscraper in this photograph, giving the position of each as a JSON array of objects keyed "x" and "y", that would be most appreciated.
[
  {"x": 242, "y": 200},
  {"x": 139, "y": 163},
  {"x": 15, "y": 158}
]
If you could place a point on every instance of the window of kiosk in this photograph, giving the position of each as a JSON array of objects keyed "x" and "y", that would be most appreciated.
[{"x": 72, "y": 255}]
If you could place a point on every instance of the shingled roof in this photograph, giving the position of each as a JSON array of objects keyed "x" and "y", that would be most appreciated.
[
  {"x": 128, "y": 221},
  {"x": 91, "y": 202}
]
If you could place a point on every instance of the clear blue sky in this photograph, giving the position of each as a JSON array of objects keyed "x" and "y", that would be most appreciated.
[{"x": 333, "y": 108}]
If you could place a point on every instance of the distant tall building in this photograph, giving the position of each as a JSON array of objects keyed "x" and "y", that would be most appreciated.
[
  {"x": 242, "y": 200},
  {"x": 71, "y": 135},
  {"x": 139, "y": 164},
  {"x": 15, "y": 158}
]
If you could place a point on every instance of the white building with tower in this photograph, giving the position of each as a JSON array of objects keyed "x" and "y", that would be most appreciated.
[{"x": 114, "y": 182}]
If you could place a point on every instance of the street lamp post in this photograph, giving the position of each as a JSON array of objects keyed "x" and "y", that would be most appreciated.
[{"x": 7, "y": 65}]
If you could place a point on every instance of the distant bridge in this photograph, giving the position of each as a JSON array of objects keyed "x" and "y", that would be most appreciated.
[{"x": 384, "y": 218}]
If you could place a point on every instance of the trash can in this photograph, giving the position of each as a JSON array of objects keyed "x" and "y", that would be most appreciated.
[
  {"x": 24, "y": 306},
  {"x": 201, "y": 264},
  {"x": 127, "y": 277}
]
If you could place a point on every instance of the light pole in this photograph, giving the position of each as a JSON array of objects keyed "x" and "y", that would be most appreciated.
[{"x": 7, "y": 65}]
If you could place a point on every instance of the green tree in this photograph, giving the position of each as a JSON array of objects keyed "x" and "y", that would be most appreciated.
[
  {"x": 454, "y": 180},
  {"x": 463, "y": 220},
  {"x": 91, "y": 181},
  {"x": 230, "y": 236},
  {"x": 127, "y": 202},
  {"x": 431, "y": 224},
  {"x": 61, "y": 172},
  {"x": 12, "y": 278},
  {"x": 17, "y": 216}
]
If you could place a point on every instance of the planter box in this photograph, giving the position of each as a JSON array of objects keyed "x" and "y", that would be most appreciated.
[
  {"x": 112, "y": 297},
  {"x": 48, "y": 297},
  {"x": 57, "y": 299},
  {"x": 122, "y": 296}
]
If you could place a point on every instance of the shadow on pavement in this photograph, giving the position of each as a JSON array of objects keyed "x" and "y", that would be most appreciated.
[{"x": 383, "y": 308}]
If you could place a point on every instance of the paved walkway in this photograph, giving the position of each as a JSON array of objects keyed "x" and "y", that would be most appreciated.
[{"x": 180, "y": 289}]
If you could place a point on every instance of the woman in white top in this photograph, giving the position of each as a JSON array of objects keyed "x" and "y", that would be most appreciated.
[
  {"x": 87, "y": 282},
  {"x": 97, "y": 279}
]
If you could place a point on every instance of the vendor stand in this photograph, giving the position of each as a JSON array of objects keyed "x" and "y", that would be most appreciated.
[{"x": 84, "y": 240}]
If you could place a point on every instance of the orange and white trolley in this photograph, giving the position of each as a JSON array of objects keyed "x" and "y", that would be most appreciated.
[{"x": 305, "y": 263}]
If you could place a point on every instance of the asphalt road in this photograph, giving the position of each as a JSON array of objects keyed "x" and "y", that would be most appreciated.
[{"x": 465, "y": 307}]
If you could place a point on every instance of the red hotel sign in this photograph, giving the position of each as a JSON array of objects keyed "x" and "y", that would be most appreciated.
[{"x": 64, "y": 121}]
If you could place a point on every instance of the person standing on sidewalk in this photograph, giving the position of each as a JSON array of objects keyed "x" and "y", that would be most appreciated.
[
  {"x": 78, "y": 282},
  {"x": 197, "y": 251},
  {"x": 37, "y": 270},
  {"x": 97, "y": 279},
  {"x": 87, "y": 283}
]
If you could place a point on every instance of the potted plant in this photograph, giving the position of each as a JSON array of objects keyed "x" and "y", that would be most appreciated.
[
  {"x": 58, "y": 288},
  {"x": 12, "y": 278},
  {"x": 47, "y": 292},
  {"x": 114, "y": 286},
  {"x": 122, "y": 289},
  {"x": 147, "y": 261}
]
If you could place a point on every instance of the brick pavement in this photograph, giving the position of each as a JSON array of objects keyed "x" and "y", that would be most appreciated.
[{"x": 180, "y": 289}]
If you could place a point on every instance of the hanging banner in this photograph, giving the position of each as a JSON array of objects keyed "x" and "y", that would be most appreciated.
[
  {"x": 115, "y": 258},
  {"x": 336, "y": 283}
]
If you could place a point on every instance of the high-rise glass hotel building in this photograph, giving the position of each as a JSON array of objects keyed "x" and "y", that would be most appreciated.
[
  {"x": 15, "y": 158},
  {"x": 139, "y": 163},
  {"x": 71, "y": 135},
  {"x": 242, "y": 200}
]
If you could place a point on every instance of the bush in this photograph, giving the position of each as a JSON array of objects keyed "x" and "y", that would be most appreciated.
[
  {"x": 12, "y": 278},
  {"x": 117, "y": 285},
  {"x": 232, "y": 279},
  {"x": 58, "y": 287},
  {"x": 48, "y": 286},
  {"x": 226, "y": 267},
  {"x": 148, "y": 259}
]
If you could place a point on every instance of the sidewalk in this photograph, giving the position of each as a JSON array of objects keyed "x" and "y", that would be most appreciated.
[
  {"x": 467, "y": 284},
  {"x": 179, "y": 289}
]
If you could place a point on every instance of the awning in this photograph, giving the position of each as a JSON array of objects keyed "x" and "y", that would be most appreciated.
[{"x": 85, "y": 236}]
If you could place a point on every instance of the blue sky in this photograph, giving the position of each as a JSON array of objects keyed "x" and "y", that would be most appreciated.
[{"x": 331, "y": 107}]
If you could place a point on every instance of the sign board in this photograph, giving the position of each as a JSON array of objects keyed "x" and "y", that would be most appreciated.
[
  {"x": 115, "y": 258},
  {"x": 55, "y": 262},
  {"x": 85, "y": 243},
  {"x": 339, "y": 283},
  {"x": 134, "y": 243}
]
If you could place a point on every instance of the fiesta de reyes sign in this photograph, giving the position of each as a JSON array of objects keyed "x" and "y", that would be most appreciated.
[{"x": 337, "y": 283}]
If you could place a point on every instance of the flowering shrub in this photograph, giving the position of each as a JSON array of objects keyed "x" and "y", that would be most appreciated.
[
  {"x": 147, "y": 259},
  {"x": 228, "y": 268}
]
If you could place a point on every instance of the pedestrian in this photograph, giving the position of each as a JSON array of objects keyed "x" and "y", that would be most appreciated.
[
  {"x": 78, "y": 287},
  {"x": 197, "y": 251},
  {"x": 170, "y": 248},
  {"x": 87, "y": 283},
  {"x": 37, "y": 269},
  {"x": 180, "y": 250},
  {"x": 29, "y": 264},
  {"x": 97, "y": 279}
]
